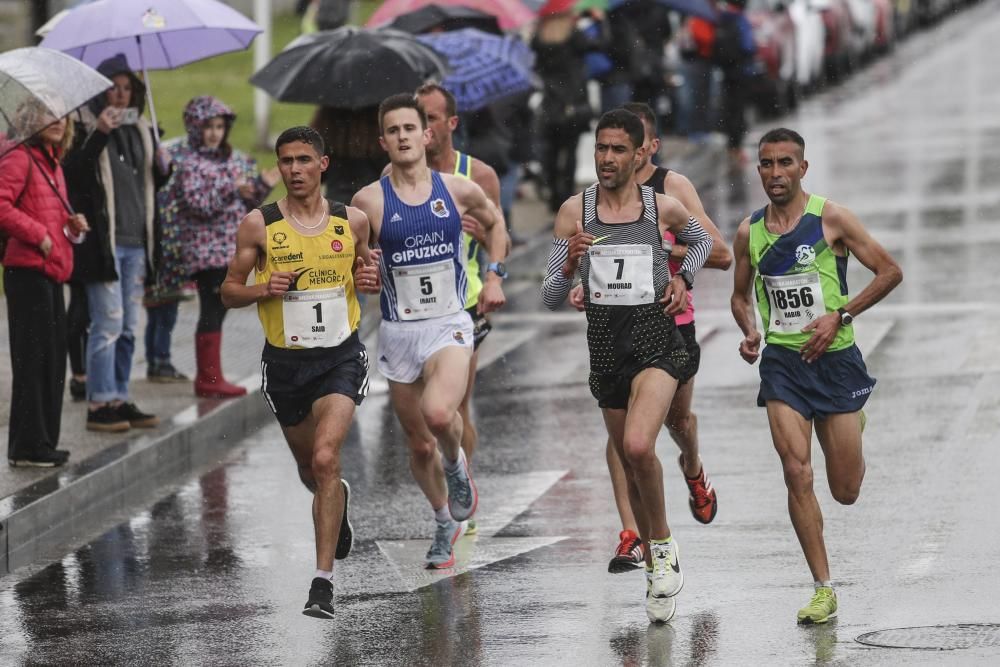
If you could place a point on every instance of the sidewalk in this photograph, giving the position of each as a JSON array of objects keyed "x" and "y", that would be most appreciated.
[{"x": 40, "y": 508}]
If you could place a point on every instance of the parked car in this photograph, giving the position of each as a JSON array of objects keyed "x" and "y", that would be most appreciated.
[{"x": 776, "y": 86}]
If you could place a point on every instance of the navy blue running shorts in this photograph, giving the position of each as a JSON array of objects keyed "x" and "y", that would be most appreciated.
[
  {"x": 292, "y": 380},
  {"x": 837, "y": 382}
]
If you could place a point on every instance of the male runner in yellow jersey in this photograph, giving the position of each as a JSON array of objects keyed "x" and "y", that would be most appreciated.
[
  {"x": 311, "y": 258},
  {"x": 442, "y": 120},
  {"x": 681, "y": 422},
  {"x": 793, "y": 254}
]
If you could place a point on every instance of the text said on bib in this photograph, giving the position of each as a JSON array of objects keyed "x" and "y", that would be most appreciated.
[{"x": 315, "y": 318}]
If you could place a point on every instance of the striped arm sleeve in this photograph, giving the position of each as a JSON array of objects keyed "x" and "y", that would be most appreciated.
[
  {"x": 699, "y": 245},
  {"x": 556, "y": 286}
]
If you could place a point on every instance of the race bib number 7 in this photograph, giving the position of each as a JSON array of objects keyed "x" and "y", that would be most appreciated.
[
  {"x": 315, "y": 318},
  {"x": 796, "y": 300},
  {"x": 622, "y": 275}
]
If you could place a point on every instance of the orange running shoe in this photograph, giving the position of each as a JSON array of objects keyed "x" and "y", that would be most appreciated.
[
  {"x": 701, "y": 499},
  {"x": 630, "y": 554}
]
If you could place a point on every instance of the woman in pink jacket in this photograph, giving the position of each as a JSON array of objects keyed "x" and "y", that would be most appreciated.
[{"x": 38, "y": 228}]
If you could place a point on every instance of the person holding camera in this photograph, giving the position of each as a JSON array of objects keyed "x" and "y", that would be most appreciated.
[{"x": 113, "y": 174}]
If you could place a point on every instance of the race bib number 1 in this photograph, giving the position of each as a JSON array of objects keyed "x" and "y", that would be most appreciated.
[
  {"x": 315, "y": 318},
  {"x": 426, "y": 291},
  {"x": 622, "y": 275},
  {"x": 796, "y": 300}
]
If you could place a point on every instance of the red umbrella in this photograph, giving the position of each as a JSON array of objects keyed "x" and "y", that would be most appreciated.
[
  {"x": 556, "y": 7},
  {"x": 509, "y": 13}
]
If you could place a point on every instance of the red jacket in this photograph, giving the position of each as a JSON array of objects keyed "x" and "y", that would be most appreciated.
[{"x": 39, "y": 212}]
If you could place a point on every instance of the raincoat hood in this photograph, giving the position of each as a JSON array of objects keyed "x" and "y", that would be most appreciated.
[
  {"x": 199, "y": 111},
  {"x": 113, "y": 66}
]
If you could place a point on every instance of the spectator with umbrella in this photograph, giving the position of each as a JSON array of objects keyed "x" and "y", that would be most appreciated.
[
  {"x": 40, "y": 88},
  {"x": 113, "y": 177}
]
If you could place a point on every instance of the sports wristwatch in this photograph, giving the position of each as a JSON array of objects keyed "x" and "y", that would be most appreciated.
[
  {"x": 498, "y": 268},
  {"x": 688, "y": 278},
  {"x": 845, "y": 317}
]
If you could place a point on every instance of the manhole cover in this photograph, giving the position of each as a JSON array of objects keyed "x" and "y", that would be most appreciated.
[{"x": 935, "y": 637}]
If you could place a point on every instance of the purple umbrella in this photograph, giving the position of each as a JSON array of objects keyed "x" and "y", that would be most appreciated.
[{"x": 155, "y": 34}]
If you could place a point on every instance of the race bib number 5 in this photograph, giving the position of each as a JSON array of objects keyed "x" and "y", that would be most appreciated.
[
  {"x": 426, "y": 291},
  {"x": 622, "y": 275},
  {"x": 315, "y": 318},
  {"x": 796, "y": 300}
]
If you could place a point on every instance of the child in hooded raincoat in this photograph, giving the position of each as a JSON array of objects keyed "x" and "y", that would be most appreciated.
[{"x": 211, "y": 189}]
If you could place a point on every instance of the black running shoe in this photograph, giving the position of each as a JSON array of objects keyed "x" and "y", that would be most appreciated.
[
  {"x": 50, "y": 458},
  {"x": 346, "y": 539},
  {"x": 320, "y": 604},
  {"x": 77, "y": 389}
]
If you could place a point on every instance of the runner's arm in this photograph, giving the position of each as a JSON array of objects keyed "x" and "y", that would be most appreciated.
[
  {"x": 250, "y": 239},
  {"x": 849, "y": 231},
  {"x": 720, "y": 257},
  {"x": 560, "y": 267},
  {"x": 688, "y": 231},
  {"x": 369, "y": 201},
  {"x": 366, "y": 273},
  {"x": 479, "y": 207},
  {"x": 740, "y": 301}
]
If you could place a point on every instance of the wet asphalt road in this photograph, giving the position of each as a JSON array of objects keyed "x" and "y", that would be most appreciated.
[{"x": 217, "y": 571}]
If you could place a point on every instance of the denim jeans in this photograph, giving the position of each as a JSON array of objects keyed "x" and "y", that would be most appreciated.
[
  {"x": 160, "y": 322},
  {"x": 114, "y": 317}
]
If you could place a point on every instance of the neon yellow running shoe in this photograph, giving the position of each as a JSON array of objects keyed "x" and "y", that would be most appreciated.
[
  {"x": 821, "y": 608},
  {"x": 472, "y": 528}
]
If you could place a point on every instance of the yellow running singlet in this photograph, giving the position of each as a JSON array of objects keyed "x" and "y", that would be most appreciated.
[{"x": 321, "y": 307}]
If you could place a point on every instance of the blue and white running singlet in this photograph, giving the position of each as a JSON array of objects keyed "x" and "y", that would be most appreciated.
[{"x": 423, "y": 266}]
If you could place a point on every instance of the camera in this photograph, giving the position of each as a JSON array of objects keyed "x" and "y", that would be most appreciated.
[{"x": 129, "y": 116}]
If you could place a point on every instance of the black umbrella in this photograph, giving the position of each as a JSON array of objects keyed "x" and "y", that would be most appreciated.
[
  {"x": 349, "y": 67},
  {"x": 432, "y": 18}
]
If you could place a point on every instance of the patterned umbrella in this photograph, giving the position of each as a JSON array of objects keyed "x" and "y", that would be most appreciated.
[
  {"x": 510, "y": 13},
  {"x": 484, "y": 68}
]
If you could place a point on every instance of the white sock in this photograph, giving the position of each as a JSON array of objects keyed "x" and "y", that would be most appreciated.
[
  {"x": 822, "y": 584},
  {"x": 324, "y": 574},
  {"x": 442, "y": 514},
  {"x": 451, "y": 466}
]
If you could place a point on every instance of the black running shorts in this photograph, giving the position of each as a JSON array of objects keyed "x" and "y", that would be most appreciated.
[
  {"x": 292, "y": 380},
  {"x": 837, "y": 382},
  {"x": 481, "y": 327}
]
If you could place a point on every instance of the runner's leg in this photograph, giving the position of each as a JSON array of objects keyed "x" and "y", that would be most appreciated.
[
  {"x": 446, "y": 374},
  {"x": 792, "y": 436},
  {"x": 425, "y": 460},
  {"x": 682, "y": 424},
  {"x": 840, "y": 437},
  {"x": 470, "y": 437}
]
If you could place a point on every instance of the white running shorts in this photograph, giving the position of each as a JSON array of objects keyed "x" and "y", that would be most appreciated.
[{"x": 404, "y": 347}]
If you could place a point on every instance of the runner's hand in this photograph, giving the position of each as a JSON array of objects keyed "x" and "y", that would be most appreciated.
[
  {"x": 824, "y": 331},
  {"x": 280, "y": 282},
  {"x": 491, "y": 297},
  {"x": 366, "y": 277},
  {"x": 46, "y": 246},
  {"x": 750, "y": 347},
  {"x": 676, "y": 296},
  {"x": 576, "y": 298},
  {"x": 579, "y": 244},
  {"x": 473, "y": 228}
]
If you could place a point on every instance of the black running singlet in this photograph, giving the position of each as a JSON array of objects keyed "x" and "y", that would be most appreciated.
[{"x": 658, "y": 180}]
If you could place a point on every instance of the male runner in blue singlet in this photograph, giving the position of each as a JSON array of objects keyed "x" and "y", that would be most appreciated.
[{"x": 426, "y": 336}]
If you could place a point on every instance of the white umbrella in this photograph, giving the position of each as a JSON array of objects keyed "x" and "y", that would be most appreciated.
[{"x": 39, "y": 86}]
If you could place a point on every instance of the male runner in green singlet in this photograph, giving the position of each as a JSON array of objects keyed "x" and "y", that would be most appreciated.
[{"x": 793, "y": 254}]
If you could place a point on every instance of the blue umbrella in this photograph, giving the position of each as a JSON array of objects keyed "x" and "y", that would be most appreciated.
[
  {"x": 484, "y": 68},
  {"x": 700, "y": 8}
]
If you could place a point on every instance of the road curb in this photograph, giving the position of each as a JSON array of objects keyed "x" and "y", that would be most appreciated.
[{"x": 64, "y": 506}]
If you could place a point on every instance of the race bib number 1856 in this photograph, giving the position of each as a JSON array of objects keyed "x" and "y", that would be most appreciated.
[{"x": 796, "y": 300}]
